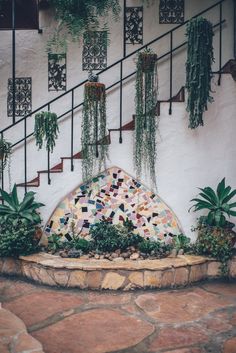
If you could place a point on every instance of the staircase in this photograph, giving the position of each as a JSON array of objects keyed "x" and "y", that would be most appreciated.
[{"x": 63, "y": 172}]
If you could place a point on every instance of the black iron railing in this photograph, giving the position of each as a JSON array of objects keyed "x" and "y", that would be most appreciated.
[{"x": 122, "y": 78}]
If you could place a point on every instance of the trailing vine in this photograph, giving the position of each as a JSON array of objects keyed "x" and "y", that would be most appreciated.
[
  {"x": 5, "y": 158},
  {"x": 145, "y": 118},
  {"x": 75, "y": 17},
  {"x": 46, "y": 128},
  {"x": 198, "y": 69},
  {"x": 93, "y": 139}
]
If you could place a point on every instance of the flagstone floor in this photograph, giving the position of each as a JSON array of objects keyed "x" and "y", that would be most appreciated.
[{"x": 198, "y": 319}]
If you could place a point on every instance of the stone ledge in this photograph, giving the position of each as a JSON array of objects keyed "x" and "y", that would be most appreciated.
[{"x": 104, "y": 274}]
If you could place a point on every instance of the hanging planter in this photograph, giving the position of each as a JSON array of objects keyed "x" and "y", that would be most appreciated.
[
  {"x": 146, "y": 115},
  {"x": 5, "y": 153},
  {"x": 93, "y": 140},
  {"x": 46, "y": 129},
  {"x": 198, "y": 69}
]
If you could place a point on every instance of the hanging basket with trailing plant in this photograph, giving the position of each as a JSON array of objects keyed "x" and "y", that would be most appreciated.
[
  {"x": 46, "y": 129},
  {"x": 198, "y": 69},
  {"x": 146, "y": 115},
  {"x": 93, "y": 140}
]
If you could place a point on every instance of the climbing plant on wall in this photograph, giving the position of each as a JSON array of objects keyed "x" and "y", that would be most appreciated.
[
  {"x": 75, "y": 17},
  {"x": 93, "y": 139},
  {"x": 146, "y": 114},
  {"x": 198, "y": 69}
]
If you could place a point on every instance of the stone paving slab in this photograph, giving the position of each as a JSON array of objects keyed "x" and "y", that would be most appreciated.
[
  {"x": 14, "y": 337},
  {"x": 198, "y": 319}
]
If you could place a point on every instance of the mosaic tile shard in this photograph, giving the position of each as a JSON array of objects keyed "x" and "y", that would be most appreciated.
[{"x": 114, "y": 195}]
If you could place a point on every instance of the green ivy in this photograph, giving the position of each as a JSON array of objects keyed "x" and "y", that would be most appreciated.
[{"x": 198, "y": 69}]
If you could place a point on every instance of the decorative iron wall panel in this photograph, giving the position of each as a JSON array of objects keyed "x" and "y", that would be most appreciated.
[
  {"x": 171, "y": 11},
  {"x": 57, "y": 72},
  {"x": 134, "y": 25},
  {"x": 95, "y": 50},
  {"x": 23, "y": 96}
]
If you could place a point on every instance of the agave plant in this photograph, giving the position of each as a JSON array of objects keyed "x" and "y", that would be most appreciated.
[
  {"x": 14, "y": 209},
  {"x": 218, "y": 204}
]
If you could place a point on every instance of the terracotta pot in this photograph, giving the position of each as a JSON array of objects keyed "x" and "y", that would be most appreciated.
[
  {"x": 148, "y": 61},
  {"x": 94, "y": 90}
]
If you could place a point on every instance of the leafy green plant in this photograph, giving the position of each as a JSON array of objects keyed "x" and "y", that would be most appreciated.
[
  {"x": 109, "y": 237},
  {"x": 146, "y": 114},
  {"x": 75, "y": 17},
  {"x": 218, "y": 204},
  {"x": 82, "y": 244},
  {"x": 46, "y": 128},
  {"x": 55, "y": 243},
  {"x": 198, "y": 69},
  {"x": 180, "y": 241},
  {"x": 216, "y": 244},
  {"x": 93, "y": 139},
  {"x": 154, "y": 248},
  {"x": 26, "y": 211},
  {"x": 17, "y": 238}
]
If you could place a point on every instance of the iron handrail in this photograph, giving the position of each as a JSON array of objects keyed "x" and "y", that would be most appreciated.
[{"x": 112, "y": 65}]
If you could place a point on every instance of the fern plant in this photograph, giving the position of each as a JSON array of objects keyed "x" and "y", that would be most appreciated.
[
  {"x": 46, "y": 128},
  {"x": 198, "y": 69},
  {"x": 146, "y": 114}
]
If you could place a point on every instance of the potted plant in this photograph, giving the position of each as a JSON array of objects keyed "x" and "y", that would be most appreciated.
[
  {"x": 5, "y": 152},
  {"x": 216, "y": 237},
  {"x": 46, "y": 128},
  {"x": 93, "y": 138},
  {"x": 198, "y": 69},
  {"x": 146, "y": 114}
]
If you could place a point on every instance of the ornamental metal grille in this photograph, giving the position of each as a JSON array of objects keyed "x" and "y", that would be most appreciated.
[
  {"x": 23, "y": 96},
  {"x": 134, "y": 25},
  {"x": 56, "y": 72},
  {"x": 95, "y": 50},
  {"x": 171, "y": 11}
]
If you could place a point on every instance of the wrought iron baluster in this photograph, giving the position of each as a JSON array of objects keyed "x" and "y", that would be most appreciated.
[
  {"x": 25, "y": 153},
  {"x": 72, "y": 131},
  {"x": 2, "y": 171},
  {"x": 49, "y": 179},
  {"x": 171, "y": 71},
  {"x": 121, "y": 99},
  {"x": 220, "y": 46}
]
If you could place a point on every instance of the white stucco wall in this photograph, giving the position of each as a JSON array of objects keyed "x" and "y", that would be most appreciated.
[{"x": 186, "y": 159}]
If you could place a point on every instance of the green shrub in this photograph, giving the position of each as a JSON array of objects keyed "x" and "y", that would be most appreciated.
[
  {"x": 17, "y": 238},
  {"x": 109, "y": 237},
  {"x": 155, "y": 248},
  {"x": 82, "y": 244},
  {"x": 215, "y": 243},
  {"x": 55, "y": 243}
]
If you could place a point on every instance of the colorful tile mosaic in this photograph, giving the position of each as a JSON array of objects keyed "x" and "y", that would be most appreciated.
[{"x": 114, "y": 195}]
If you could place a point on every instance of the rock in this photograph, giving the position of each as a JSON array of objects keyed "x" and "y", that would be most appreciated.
[
  {"x": 97, "y": 257},
  {"x": 113, "y": 280},
  {"x": 63, "y": 254},
  {"x": 117, "y": 259},
  {"x": 125, "y": 255},
  {"x": 114, "y": 255},
  {"x": 101, "y": 257},
  {"x": 181, "y": 252},
  {"x": 43, "y": 242},
  {"x": 134, "y": 256},
  {"x": 74, "y": 253},
  {"x": 132, "y": 248},
  {"x": 85, "y": 257},
  {"x": 118, "y": 252},
  {"x": 173, "y": 253}
]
